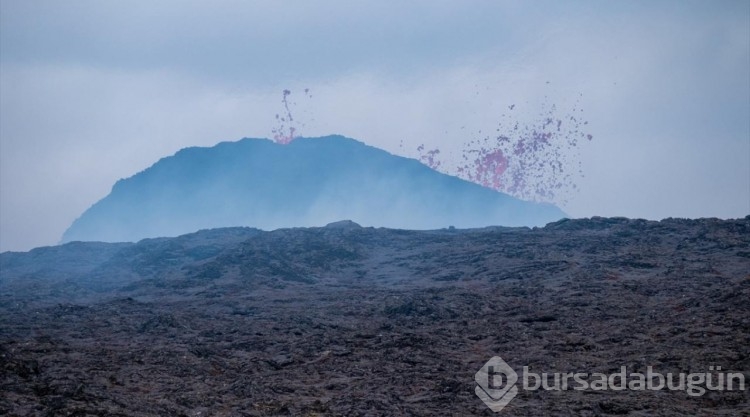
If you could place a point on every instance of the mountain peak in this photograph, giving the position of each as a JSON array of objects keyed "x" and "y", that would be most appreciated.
[
  {"x": 308, "y": 182},
  {"x": 343, "y": 224}
]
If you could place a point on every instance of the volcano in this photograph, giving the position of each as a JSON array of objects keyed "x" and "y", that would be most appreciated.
[{"x": 308, "y": 182}]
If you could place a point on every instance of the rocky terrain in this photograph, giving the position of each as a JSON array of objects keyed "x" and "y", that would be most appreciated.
[{"x": 351, "y": 321}]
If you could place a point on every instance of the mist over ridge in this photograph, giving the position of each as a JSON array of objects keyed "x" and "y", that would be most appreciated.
[{"x": 308, "y": 182}]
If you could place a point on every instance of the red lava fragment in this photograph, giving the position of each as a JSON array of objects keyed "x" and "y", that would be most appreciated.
[
  {"x": 529, "y": 160},
  {"x": 286, "y": 132}
]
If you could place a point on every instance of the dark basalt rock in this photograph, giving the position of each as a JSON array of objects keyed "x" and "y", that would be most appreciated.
[{"x": 359, "y": 321}]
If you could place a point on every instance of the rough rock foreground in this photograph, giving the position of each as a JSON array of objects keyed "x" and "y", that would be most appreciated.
[{"x": 350, "y": 321}]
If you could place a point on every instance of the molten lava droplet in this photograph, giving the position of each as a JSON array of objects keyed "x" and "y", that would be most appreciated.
[
  {"x": 530, "y": 161},
  {"x": 286, "y": 132}
]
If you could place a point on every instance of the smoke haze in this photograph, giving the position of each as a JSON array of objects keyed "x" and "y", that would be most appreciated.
[{"x": 92, "y": 92}]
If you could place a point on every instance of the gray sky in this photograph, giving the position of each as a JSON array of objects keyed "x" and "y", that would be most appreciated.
[{"x": 92, "y": 91}]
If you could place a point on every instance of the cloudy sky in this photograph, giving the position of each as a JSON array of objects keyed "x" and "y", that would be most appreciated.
[{"x": 93, "y": 91}]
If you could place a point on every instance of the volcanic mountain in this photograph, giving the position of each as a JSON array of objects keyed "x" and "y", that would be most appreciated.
[{"x": 309, "y": 182}]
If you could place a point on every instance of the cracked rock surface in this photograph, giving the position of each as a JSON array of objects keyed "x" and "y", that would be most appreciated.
[{"x": 351, "y": 321}]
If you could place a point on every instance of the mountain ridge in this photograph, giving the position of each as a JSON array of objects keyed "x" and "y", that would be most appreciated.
[{"x": 309, "y": 182}]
